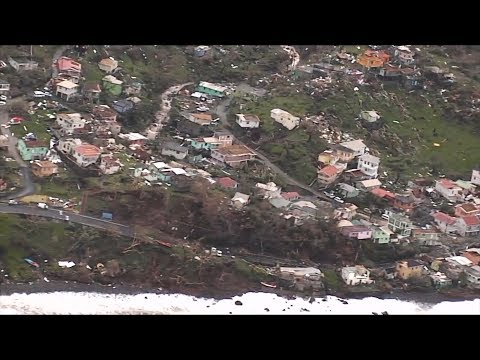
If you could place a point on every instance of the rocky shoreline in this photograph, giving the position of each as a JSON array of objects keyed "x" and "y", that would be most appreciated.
[{"x": 122, "y": 289}]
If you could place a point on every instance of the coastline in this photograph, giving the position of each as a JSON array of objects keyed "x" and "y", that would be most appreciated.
[{"x": 122, "y": 289}]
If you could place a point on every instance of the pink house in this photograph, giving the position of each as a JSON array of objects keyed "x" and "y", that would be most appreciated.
[
  {"x": 359, "y": 232},
  {"x": 68, "y": 66},
  {"x": 445, "y": 222}
]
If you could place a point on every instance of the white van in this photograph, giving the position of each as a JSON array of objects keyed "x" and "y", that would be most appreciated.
[
  {"x": 38, "y": 94},
  {"x": 385, "y": 217}
]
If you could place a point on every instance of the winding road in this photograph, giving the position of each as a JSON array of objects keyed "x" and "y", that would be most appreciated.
[
  {"x": 221, "y": 111},
  {"x": 73, "y": 217},
  {"x": 29, "y": 186},
  {"x": 166, "y": 105}
]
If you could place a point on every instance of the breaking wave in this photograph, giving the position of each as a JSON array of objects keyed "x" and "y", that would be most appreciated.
[{"x": 251, "y": 303}]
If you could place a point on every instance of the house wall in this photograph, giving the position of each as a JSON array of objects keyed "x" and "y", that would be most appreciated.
[
  {"x": 326, "y": 179},
  {"x": 475, "y": 180},
  {"x": 247, "y": 123},
  {"x": 29, "y": 154},
  {"x": 176, "y": 154},
  {"x": 465, "y": 230},
  {"x": 402, "y": 227},
  {"x": 84, "y": 160},
  {"x": 450, "y": 194},
  {"x": 445, "y": 228},
  {"x": 380, "y": 237},
  {"x": 66, "y": 91},
  {"x": 209, "y": 91},
  {"x": 368, "y": 168},
  {"x": 345, "y": 156},
  {"x": 405, "y": 272}
]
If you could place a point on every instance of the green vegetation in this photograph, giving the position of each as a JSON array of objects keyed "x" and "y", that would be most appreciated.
[
  {"x": 19, "y": 239},
  {"x": 416, "y": 124},
  {"x": 36, "y": 123},
  {"x": 250, "y": 271},
  {"x": 332, "y": 279}
]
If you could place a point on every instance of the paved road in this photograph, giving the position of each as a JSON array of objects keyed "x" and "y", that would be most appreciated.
[
  {"x": 221, "y": 111},
  {"x": 73, "y": 217}
]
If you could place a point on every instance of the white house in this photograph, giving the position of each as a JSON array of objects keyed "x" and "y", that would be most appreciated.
[
  {"x": 475, "y": 177},
  {"x": 448, "y": 189},
  {"x": 239, "y": 200},
  {"x": 247, "y": 120},
  {"x": 468, "y": 225},
  {"x": 66, "y": 146},
  {"x": 368, "y": 164},
  {"x": 269, "y": 190},
  {"x": 355, "y": 275},
  {"x": 86, "y": 154},
  {"x": 108, "y": 64},
  {"x": 177, "y": 151},
  {"x": 70, "y": 122},
  {"x": 285, "y": 118},
  {"x": 357, "y": 146},
  {"x": 4, "y": 87},
  {"x": 66, "y": 89}
]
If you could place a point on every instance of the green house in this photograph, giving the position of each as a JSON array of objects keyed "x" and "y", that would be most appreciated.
[
  {"x": 381, "y": 235},
  {"x": 112, "y": 85},
  {"x": 211, "y": 89},
  {"x": 32, "y": 150},
  {"x": 208, "y": 143}
]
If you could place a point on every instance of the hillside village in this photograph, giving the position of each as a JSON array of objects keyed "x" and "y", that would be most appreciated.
[{"x": 391, "y": 230}]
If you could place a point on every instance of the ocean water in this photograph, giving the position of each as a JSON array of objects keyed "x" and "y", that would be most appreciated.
[{"x": 252, "y": 303}]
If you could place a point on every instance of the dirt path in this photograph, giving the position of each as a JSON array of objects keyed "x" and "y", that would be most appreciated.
[
  {"x": 58, "y": 53},
  {"x": 12, "y": 141},
  {"x": 165, "y": 107},
  {"x": 221, "y": 111}
]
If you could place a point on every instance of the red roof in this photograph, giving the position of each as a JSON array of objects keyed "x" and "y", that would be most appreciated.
[
  {"x": 471, "y": 220},
  {"x": 227, "y": 182},
  {"x": 290, "y": 195},
  {"x": 447, "y": 183},
  {"x": 442, "y": 217},
  {"x": 468, "y": 207},
  {"x": 88, "y": 150},
  {"x": 381, "y": 193},
  {"x": 329, "y": 170}
]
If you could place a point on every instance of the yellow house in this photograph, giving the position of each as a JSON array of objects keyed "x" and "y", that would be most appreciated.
[
  {"x": 327, "y": 157},
  {"x": 409, "y": 269}
]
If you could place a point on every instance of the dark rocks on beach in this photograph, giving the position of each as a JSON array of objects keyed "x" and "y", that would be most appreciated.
[
  {"x": 238, "y": 302},
  {"x": 312, "y": 300},
  {"x": 303, "y": 309},
  {"x": 324, "y": 299},
  {"x": 267, "y": 309}
]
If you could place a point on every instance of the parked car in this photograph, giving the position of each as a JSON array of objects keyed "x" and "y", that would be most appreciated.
[
  {"x": 3, "y": 98},
  {"x": 38, "y": 94},
  {"x": 337, "y": 199},
  {"x": 3, "y": 103},
  {"x": 12, "y": 202},
  {"x": 42, "y": 206}
]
